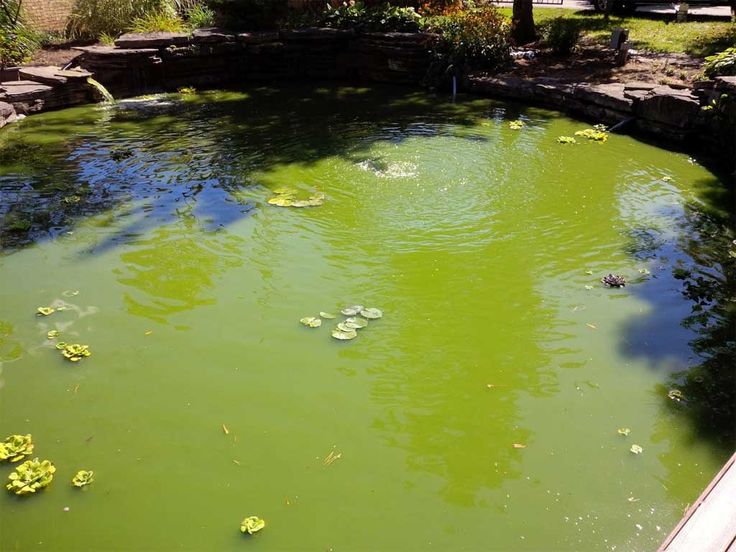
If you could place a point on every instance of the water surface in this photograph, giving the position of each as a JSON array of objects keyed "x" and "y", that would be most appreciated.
[{"x": 484, "y": 247}]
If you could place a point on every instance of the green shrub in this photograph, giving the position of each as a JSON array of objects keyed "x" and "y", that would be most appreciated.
[
  {"x": 385, "y": 18},
  {"x": 92, "y": 18},
  {"x": 721, "y": 64},
  {"x": 561, "y": 34},
  {"x": 477, "y": 40},
  {"x": 200, "y": 16},
  {"x": 17, "y": 42},
  {"x": 164, "y": 21}
]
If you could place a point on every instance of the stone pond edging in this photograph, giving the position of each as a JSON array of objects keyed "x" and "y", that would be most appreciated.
[{"x": 210, "y": 58}]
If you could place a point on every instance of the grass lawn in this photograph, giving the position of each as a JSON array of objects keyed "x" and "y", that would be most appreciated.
[{"x": 698, "y": 38}]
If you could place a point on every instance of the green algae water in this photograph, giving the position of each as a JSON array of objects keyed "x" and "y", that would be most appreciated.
[{"x": 480, "y": 413}]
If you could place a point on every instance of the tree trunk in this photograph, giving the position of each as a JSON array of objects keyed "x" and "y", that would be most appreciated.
[{"x": 522, "y": 22}]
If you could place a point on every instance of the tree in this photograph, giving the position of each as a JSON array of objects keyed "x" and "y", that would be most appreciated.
[{"x": 522, "y": 22}]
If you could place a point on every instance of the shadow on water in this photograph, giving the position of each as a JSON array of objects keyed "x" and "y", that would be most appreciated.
[
  {"x": 149, "y": 158},
  {"x": 701, "y": 266}
]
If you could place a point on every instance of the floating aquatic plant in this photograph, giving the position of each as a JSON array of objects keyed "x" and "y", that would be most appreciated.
[
  {"x": 614, "y": 280},
  {"x": 30, "y": 476},
  {"x": 597, "y": 133},
  {"x": 252, "y": 524},
  {"x": 187, "y": 90},
  {"x": 311, "y": 322},
  {"x": 45, "y": 311},
  {"x": 354, "y": 323},
  {"x": 371, "y": 313},
  {"x": 516, "y": 125},
  {"x": 624, "y": 431},
  {"x": 52, "y": 334},
  {"x": 16, "y": 447},
  {"x": 676, "y": 395},
  {"x": 74, "y": 352},
  {"x": 83, "y": 478},
  {"x": 352, "y": 311},
  {"x": 344, "y": 335},
  {"x": 287, "y": 198},
  {"x": 327, "y": 315},
  {"x": 566, "y": 140},
  {"x": 636, "y": 449}
]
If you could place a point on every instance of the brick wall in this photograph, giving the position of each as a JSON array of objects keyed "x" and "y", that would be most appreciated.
[{"x": 48, "y": 15}]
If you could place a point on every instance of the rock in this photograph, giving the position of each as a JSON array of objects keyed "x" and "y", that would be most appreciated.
[
  {"x": 52, "y": 76},
  {"x": 666, "y": 106},
  {"x": 208, "y": 36},
  {"x": 258, "y": 38},
  {"x": 151, "y": 40},
  {"x": 610, "y": 96},
  {"x": 25, "y": 91},
  {"x": 315, "y": 33},
  {"x": 7, "y": 114}
]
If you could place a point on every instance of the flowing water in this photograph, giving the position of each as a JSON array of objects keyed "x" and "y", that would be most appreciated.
[{"x": 481, "y": 412}]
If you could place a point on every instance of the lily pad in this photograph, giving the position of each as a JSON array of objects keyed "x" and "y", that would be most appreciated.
[
  {"x": 83, "y": 478},
  {"x": 327, "y": 315},
  {"x": 52, "y": 334},
  {"x": 624, "y": 431},
  {"x": 30, "y": 476},
  {"x": 675, "y": 395},
  {"x": 636, "y": 449},
  {"x": 281, "y": 201},
  {"x": 351, "y": 311},
  {"x": 311, "y": 321},
  {"x": 343, "y": 327},
  {"x": 371, "y": 313},
  {"x": 356, "y": 323},
  {"x": 344, "y": 336},
  {"x": 252, "y": 524},
  {"x": 45, "y": 311}
]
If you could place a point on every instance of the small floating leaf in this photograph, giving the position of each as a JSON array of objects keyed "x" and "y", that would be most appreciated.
[
  {"x": 45, "y": 311},
  {"x": 311, "y": 322},
  {"x": 566, "y": 140},
  {"x": 252, "y": 524},
  {"x": 597, "y": 134},
  {"x": 350, "y": 311},
  {"x": 355, "y": 323},
  {"x": 343, "y": 327},
  {"x": 516, "y": 125},
  {"x": 519, "y": 446},
  {"x": 371, "y": 313},
  {"x": 83, "y": 478},
  {"x": 636, "y": 449},
  {"x": 588, "y": 287},
  {"x": 225, "y": 430},
  {"x": 344, "y": 336},
  {"x": 281, "y": 201},
  {"x": 70, "y": 293},
  {"x": 624, "y": 431},
  {"x": 327, "y": 315},
  {"x": 675, "y": 395},
  {"x": 300, "y": 203},
  {"x": 52, "y": 334},
  {"x": 30, "y": 476},
  {"x": 666, "y": 179}
]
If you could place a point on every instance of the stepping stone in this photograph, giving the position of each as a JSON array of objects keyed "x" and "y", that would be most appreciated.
[
  {"x": 24, "y": 90},
  {"x": 52, "y": 75},
  {"x": 151, "y": 40}
]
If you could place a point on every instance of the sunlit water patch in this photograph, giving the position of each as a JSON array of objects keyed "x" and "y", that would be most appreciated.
[{"x": 481, "y": 411}]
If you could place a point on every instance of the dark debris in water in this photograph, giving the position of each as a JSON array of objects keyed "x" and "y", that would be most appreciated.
[{"x": 614, "y": 280}]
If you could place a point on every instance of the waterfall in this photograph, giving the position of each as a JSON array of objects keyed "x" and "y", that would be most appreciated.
[{"x": 101, "y": 89}]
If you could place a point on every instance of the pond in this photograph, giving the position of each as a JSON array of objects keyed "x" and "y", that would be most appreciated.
[{"x": 482, "y": 411}]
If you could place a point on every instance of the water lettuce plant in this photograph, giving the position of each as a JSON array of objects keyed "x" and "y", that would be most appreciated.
[
  {"x": 252, "y": 524},
  {"x": 566, "y": 140},
  {"x": 83, "y": 478},
  {"x": 16, "y": 447},
  {"x": 516, "y": 125},
  {"x": 45, "y": 311},
  {"x": 73, "y": 352},
  {"x": 30, "y": 476},
  {"x": 636, "y": 449},
  {"x": 597, "y": 133}
]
